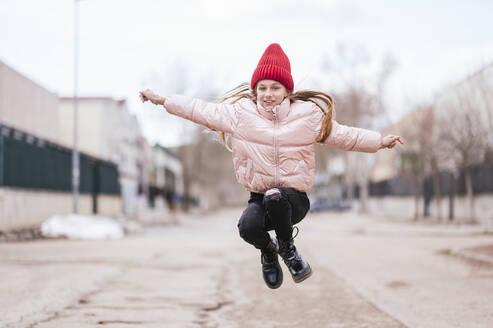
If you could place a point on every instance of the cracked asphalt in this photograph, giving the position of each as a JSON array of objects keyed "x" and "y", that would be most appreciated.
[{"x": 199, "y": 273}]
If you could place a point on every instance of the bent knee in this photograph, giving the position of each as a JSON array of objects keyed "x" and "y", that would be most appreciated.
[{"x": 247, "y": 231}]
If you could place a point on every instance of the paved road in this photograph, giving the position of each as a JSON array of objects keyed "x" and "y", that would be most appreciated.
[{"x": 201, "y": 274}]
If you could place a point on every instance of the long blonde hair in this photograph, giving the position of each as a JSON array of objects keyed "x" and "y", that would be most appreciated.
[{"x": 321, "y": 99}]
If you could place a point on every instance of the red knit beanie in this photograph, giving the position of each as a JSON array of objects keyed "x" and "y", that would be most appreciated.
[{"x": 274, "y": 65}]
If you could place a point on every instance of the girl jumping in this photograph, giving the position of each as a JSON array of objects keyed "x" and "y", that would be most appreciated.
[{"x": 273, "y": 131}]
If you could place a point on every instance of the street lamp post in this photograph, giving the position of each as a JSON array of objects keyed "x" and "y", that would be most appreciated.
[{"x": 75, "y": 150}]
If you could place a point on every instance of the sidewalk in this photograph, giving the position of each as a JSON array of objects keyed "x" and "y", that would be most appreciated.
[
  {"x": 480, "y": 254},
  {"x": 352, "y": 222},
  {"x": 405, "y": 268}
]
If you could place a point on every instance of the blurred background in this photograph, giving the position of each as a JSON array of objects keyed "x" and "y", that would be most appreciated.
[{"x": 419, "y": 69}]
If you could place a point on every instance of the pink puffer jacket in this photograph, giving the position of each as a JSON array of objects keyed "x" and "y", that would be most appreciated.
[{"x": 272, "y": 147}]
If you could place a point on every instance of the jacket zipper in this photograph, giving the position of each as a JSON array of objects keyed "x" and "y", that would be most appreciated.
[{"x": 276, "y": 151}]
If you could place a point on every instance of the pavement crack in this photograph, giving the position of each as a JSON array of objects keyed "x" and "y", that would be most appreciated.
[
  {"x": 209, "y": 316},
  {"x": 397, "y": 284},
  {"x": 53, "y": 316},
  {"x": 83, "y": 299},
  {"x": 217, "y": 306},
  {"x": 125, "y": 322}
]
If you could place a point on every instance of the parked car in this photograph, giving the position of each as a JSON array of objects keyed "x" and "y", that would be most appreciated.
[{"x": 328, "y": 204}]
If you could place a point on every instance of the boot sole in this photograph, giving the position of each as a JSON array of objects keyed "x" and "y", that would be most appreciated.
[{"x": 303, "y": 277}]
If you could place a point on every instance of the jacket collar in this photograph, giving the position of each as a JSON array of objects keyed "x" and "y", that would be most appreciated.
[{"x": 282, "y": 110}]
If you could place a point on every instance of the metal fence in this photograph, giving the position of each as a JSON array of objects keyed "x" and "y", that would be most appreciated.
[
  {"x": 33, "y": 163},
  {"x": 482, "y": 182}
]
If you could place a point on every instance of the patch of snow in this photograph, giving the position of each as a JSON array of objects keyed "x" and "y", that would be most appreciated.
[{"x": 76, "y": 226}]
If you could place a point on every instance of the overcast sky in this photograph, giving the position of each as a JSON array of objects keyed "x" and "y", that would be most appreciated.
[{"x": 128, "y": 45}]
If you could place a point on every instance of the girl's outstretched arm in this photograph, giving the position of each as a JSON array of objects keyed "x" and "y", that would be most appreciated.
[
  {"x": 218, "y": 117},
  {"x": 357, "y": 139},
  {"x": 354, "y": 139}
]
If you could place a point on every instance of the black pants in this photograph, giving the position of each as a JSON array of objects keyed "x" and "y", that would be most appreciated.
[{"x": 278, "y": 211}]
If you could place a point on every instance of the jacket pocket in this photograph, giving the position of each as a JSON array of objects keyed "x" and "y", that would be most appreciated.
[
  {"x": 244, "y": 172},
  {"x": 249, "y": 170}
]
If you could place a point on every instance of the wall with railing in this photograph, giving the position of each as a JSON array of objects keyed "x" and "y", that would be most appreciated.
[{"x": 35, "y": 181}]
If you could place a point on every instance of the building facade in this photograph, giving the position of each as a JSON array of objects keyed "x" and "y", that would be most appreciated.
[
  {"x": 167, "y": 178},
  {"x": 35, "y": 160}
]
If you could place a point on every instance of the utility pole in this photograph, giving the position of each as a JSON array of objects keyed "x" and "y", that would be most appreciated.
[{"x": 75, "y": 150}]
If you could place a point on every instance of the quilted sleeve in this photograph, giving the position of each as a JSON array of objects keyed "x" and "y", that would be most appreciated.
[
  {"x": 355, "y": 139},
  {"x": 218, "y": 117}
]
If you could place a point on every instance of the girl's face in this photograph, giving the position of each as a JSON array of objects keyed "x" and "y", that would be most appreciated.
[{"x": 270, "y": 93}]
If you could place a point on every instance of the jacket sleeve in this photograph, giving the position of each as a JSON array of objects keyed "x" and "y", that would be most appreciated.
[
  {"x": 355, "y": 139},
  {"x": 219, "y": 117}
]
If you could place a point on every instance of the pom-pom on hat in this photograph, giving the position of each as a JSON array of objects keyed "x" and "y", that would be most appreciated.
[{"x": 274, "y": 65}]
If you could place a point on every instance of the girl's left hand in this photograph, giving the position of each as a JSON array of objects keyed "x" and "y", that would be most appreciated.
[
  {"x": 148, "y": 95},
  {"x": 390, "y": 141}
]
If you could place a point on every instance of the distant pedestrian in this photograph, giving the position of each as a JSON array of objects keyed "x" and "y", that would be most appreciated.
[{"x": 273, "y": 131}]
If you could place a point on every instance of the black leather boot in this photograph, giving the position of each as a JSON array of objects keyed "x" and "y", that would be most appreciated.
[
  {"x": 298, "y": 267},
  {"x": 271, "y": 269}
]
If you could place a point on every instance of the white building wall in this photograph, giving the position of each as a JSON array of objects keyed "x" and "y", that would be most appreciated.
[
  {"x": 91, "y": 138},
  {"x": 26, "y": 106},
  {"x": 128, "y": 150},
  {"x": 15, "y": 215}
]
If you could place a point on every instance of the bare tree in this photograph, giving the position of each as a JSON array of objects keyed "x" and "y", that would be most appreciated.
[
  {"x": 462, "y": 135},
  {"x": 364, "y": 108},
  {"x": 418, "y": 158},
  {"x": 356, "y": 109},
  {"x": 191, "y": 158},
  {"x": 483, "y": 87}
]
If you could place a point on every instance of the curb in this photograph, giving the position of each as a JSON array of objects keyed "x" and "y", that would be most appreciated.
[{"x": 473, "y": 256}]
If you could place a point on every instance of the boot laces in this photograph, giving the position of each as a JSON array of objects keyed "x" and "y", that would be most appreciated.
[
  {"x": 289, "y": 250},
  {"x": 297, "y": 230},
  {"x": 268, "y": 255}
]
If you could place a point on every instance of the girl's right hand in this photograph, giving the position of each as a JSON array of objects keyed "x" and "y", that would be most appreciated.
[
  {"x": 148, "y": 95},
  {"x": 390, "y": 141}
]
